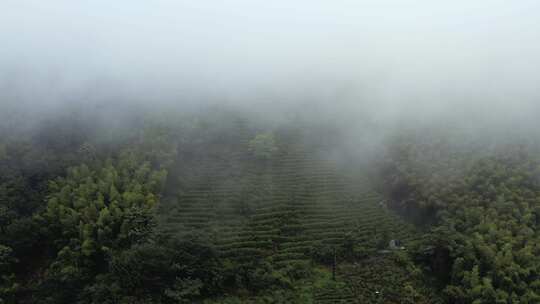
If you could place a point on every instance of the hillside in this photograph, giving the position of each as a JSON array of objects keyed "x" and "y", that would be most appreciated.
[
  {"x": 292, "y": 211},
  {"x": 214, "y": 208}
]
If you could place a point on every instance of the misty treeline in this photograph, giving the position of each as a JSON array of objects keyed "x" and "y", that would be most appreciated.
[
  {"x": 119, "y": 212},
  {"x": 480, "y": 197}
]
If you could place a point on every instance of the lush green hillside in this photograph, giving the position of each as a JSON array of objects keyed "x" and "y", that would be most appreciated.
[
  {"x": 290, "y": 212},
  {"x": 484, "y": 202},
  {"x": 216, "y": 208}
]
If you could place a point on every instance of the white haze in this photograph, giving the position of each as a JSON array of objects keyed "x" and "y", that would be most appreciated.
[{"x": 415, "y": 60}]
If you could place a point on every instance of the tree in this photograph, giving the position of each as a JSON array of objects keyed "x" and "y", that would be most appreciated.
[{"x": 7, "y": 284}]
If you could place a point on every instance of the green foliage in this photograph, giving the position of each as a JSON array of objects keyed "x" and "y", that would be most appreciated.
[
  {"x": 273, "y": 222},
  {"x": 171, "y": 271},
  {"x": 484, "y": 245},
  {"x": 158, "y": 145},
  {"x": 96, "y": 212},
  {"x": 8, "y": 286},
  {"x": 142, "y": 219},
  {"x": 263, "y": 146},
  {"x": 104, "y": 208}
]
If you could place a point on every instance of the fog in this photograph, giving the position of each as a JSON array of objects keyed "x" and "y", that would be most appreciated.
[{"x": 388, "y": 61}]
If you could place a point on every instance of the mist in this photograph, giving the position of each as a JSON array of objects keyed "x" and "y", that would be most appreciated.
[{"x": 390, "y": 62}]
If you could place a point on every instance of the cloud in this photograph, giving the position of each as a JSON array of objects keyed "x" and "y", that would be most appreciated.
[{"x": 396, "y": 59}]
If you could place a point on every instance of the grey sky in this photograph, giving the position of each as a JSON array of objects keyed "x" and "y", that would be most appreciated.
[{"x": 434, "y": 55}]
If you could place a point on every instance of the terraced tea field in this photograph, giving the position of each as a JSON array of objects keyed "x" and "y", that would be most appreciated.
[{"x": 282, "y": 210}]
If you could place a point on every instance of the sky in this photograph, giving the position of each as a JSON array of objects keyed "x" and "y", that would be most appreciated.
[{"x": 409, "y": 58}]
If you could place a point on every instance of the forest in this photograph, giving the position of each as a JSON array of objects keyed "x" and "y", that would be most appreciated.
[{"x": 215, "y": 207}]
